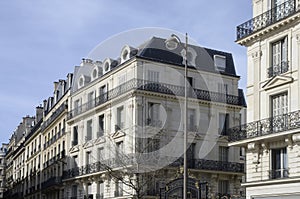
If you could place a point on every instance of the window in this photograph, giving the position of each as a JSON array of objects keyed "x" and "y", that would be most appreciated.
[
  {"x": 77, "y": 107},
  {"x": 74, "y": 191},
  {"x": 220, "y": 62},
  {"x": 119, "y": 149},
  {"x": 279, "y": 108},
  {"x": 100, "y": 154},
  {"x": 88, "y": 158},
  {"x": 122, "y": 79},
  {"x": 91, "y": 100},
  {"x": 118, "y": 188},
  {"x": 120, "y": 118},
  {"x": 101, "y": 126},
  {"x": 153, "y": 76},
  {"x": 154, "y": 115},
  {"x": 223, "y": 186},
  {"x": 75, "y": 136},
  {"x": 191, "y": 120},
  {"x": 103, "y": 94},
  {"x": 222, "y": 88},
  {"x": 89, "y": 130},
  {"x": 223, "y": 123},
  {"x": 223, "y": 153},
  {"x": 279, "y": 163},
  {"x": 100, "y": 190},
  {"x": 279, "y": 56}
]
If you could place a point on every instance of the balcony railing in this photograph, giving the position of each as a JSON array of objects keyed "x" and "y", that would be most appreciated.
[
  {"x": 122, "y": 162},
  {"x": 279, "y": 173},
  {"x": 268, "y": 18},
  {"x": 266, "y": 126},
  {"x": 54, "y": 181},
  {"x": 169, "y": 89},
  {"x": 212, "y": 165},
  {"x": 54, "y": 115},
  {"x": 278, "y": 69}
]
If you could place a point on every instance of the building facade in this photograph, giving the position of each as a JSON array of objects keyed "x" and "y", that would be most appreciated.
[
  {"x": 3, "y": 151},
  {"x": 125, "y": 120},
  {"x": 114, "y": 129},
  {"x": 271, "y": 135}
]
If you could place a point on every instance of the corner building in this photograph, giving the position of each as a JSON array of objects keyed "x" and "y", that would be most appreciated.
[
  {"x": 271, "y": 135},
  {"x": 119, "y": 109}
]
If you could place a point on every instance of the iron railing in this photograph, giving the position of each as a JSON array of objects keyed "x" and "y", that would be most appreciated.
[
  {"x": 212, "y": 165},
  {"x": 266, "y": 126},
  {"x": 268, "y": 18},
  {"x": 200, "y": 164},
  {"x": 169, "y": 89},
  {"x": 54, "y": 181},
  {"x": 278, "y": 69},
  {"x": 54, "y": 115},
  {"x": 279, "y": 173}
]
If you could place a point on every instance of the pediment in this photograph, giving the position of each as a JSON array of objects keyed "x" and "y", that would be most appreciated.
[
  {"x": 88, "y": 144},
  {"x": 100, "y": 140},
  {"x": 74, "y": 149},
  {"x": 118, "y": 134},
  {"x": 277, "y": 81}
]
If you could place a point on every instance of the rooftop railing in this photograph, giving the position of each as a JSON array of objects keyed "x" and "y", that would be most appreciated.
[{"x": 169, "y": 89}]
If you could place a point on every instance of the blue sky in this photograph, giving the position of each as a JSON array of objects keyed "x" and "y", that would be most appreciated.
[{"x": 41, "y": 41}]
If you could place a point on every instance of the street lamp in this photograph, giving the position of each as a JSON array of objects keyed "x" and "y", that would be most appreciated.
[{"x": 172, "y": 43}]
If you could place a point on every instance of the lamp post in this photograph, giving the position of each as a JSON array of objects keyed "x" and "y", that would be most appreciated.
[{"x": 172, "y": 43}]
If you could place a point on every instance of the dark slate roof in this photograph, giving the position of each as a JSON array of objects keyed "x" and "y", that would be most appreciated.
[
  {"x": 155, "y": 49},
  {"x": 242, "y": 98}
]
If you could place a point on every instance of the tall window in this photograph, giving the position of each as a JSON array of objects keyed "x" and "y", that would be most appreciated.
[
  {"x": 88, "y": 158},
  {"x": 100, "y": 189},
  {"x": 223, "y": 153},
  {"x": 100, "y": 154},
  {"x": 91, "y": 100},
  {"x": 279, "y": 108},
  {"x": 77, "y": 107},
  {"x": 118, "y": 188},
  {"x": 191, "y": 120},
  {"x": 223, "y": 186},
  {"x": 223, "y": 123},
  {"x": 153, "y": 114},
  {"x": 101, "y": 126},
  {"x": 279, "y": 163},
  {"x": 103, "y": 94},
  {"x": 120, "y": 118},
  {"x": 222, "y": 88},
  {"x": 119, "y": 149},
  {"x": 75, "y": 136},
  {"x": 89, "y": 130},
  {"x": 279, "y": 57},
  {"x": 153, "y": 76}
]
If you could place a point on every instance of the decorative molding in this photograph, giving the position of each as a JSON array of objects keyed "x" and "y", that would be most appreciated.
[{"x": 276, "y": 81}]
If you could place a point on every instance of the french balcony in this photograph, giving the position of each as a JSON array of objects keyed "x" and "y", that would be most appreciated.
[
  {"x": 279, "y": 173},
  {"x": 154, "y": 123},
  {"x": 278, "y": 69},
  {"x": 268, "y": 126},
  {"x": 167, "y": 89},
  {"x": 52, "y": 182},
  {"x": 266, "y": 19},
  {"x": 212, "y": 165}
]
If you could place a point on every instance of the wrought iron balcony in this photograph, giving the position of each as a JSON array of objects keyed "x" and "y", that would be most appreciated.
[
  {"x": 54, "y": 115},
  {"x": 268, "y": 18},
  {"x": 279, "y": 173},
  {"x": 212, "y": 165},
  {"x": 51, "y": 182},
  {"x": 266, "y": 126},
  {"x": 168, "y": 89},
  {"x": 278, "y": 69}
]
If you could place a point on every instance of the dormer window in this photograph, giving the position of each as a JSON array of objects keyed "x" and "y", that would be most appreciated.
[
  {"x": 81, "y": 82},
  {"x": 95, "y": 73},
  {"x": 220, "y": 62}
]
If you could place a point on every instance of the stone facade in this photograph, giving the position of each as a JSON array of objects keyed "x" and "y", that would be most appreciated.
[{"x": 271, "y": 135}]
